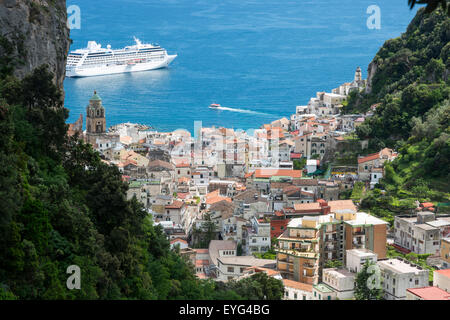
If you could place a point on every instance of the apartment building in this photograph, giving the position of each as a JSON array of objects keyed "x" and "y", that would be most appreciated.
[
  {"x": 357, "y": 258},
  {"x": 417, "y": 234},
  {"x": 257, "y": 236},
  {"x": 398, "y": 275},
  {"x": 298, "y": 251},
  {"x": 309, "y": 242}
]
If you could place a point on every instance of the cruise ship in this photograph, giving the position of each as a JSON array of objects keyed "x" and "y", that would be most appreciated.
[{"x": 97, "y": 61}]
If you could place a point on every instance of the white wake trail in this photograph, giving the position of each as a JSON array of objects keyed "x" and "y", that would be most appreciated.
[{"x": 242, "y": 111}]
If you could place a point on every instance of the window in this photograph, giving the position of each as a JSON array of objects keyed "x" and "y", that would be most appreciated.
[
  {"x": 230, "y": 269},
  {"x": 295, "y": 296}
]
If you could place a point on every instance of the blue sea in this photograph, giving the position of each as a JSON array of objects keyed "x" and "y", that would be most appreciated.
[{"x": 258, "y": 59}]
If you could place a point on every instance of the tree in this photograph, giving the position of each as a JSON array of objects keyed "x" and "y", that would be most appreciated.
[
  {"x": 368, "y": 283},
  {"x": 299, "y": 164},
  {"x": 259, "y": 287},
  {"x": 432, "y": 5},
  {"x": 333, "y": 264}
]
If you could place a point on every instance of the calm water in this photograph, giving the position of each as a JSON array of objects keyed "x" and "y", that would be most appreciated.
[{"x": 262, "y": 57}]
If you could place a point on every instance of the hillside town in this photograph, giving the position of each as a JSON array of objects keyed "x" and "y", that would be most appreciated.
[{"x": 274, "y": 199}]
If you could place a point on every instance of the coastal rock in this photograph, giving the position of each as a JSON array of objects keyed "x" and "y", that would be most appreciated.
[
  {"x": 371, "y": 71},
  {"x": 32, "y": 33}
]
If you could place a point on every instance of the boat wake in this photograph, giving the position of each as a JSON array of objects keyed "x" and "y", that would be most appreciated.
[{"x": 242, "y": 111}]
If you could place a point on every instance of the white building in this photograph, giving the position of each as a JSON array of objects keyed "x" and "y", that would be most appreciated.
[
  {"x": 312, "y": 165},
  {"x": 258, "y": 236},
  {"x": 201, "y": 177},
  {"x": 417, "y": 234},
  {"x": 357, "y": 258},
  {"x": 233, "y": 267},
  {"x": 341, "y": 281},
  {"x": 398, "y": 275},
  {"x": 294, "y": 290}
]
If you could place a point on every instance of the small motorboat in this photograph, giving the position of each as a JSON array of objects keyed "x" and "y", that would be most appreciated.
[{"x": 214, "y": 106}]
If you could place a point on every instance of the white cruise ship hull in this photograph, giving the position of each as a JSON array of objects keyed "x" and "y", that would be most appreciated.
[{"x": 74, "y": 71}]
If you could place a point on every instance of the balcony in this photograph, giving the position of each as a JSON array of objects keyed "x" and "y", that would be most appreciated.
[
  {"x": 309, "y": 266},
  {"x": 297, "y": 253},
  {"x": 310, "y": 279}
]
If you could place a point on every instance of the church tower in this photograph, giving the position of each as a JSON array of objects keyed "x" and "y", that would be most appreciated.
[
  {"x": 358, "y": 76},
  {"x": 95, "y": 116}
]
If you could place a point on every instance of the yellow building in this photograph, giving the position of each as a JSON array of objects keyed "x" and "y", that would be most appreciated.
[{"x": 445, "y": 252}]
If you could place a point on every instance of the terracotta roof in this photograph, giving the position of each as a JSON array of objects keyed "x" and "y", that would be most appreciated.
[
  {"x": 430, "y": 293},
  {"x": 341, "y": 205},
  {"x": 183, "y": 165},
  {"x": 307, "y": 206},
  {"x": 175, "y": 205},
  {"x": 297, "y": 285},
  {"x": 427, "y": 204},
  {"x": 181, "y": 195},
  {"x": 213, "y": 200},
  {"x": 296, "y": 155},
  {"x": 369, "y": 158},
  {"x": 267, "y": 173},
  {"x": 184, "y": 180},
  {"x": 160, "y": 163},
  {"x": 248, "y": 175},
  {"x": 201, "y": 263}
]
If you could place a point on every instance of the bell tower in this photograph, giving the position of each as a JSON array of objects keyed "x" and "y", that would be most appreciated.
[
  {"x": 95, "y": 116},
  {"x": 358, "y": 76}
]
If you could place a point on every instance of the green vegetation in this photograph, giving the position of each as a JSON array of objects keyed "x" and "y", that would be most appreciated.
[
  {"x": 257, "y": 287},
  {"x": 412, "y": 88},
  {"x": 418, "y": 259},
  {"x": 271, "y": 255},
  {"x": 299, "y": 164},
  {"x": 357, "y": 192},
  {"x": 410, "y": 78},
  {"x": 368, "y": 283},
  {"x": 432, "y": 5},
  {"x": 333, "y": 264}
]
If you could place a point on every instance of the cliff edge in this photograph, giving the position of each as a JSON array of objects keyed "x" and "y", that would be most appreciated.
[{"x": 33, "y": 33}]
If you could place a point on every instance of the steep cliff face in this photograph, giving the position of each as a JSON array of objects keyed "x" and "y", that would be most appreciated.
[
  {"x": 371, "y": 71},
  {"x": 32, "y": 33}
]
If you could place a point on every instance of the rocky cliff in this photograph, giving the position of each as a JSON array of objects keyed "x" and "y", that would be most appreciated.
[{"x": 32, "y": 33}]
